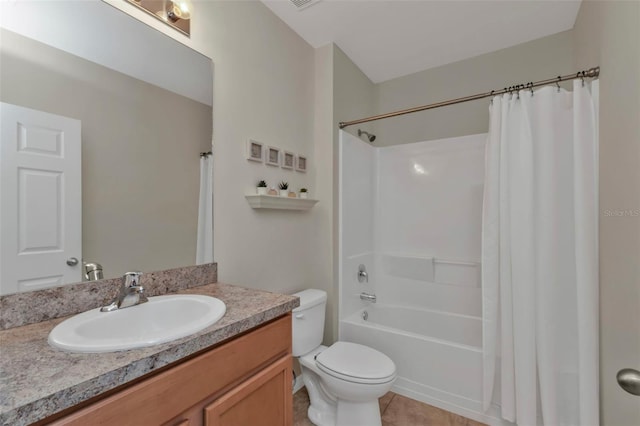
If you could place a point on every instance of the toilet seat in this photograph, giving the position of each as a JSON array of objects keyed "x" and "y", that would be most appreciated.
[{"x": 356, "y": 363}]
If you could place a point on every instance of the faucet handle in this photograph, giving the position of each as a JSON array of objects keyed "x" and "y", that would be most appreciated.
[
  {"x": 131, "y": 279},
  {"x": 362, "y": 273}
]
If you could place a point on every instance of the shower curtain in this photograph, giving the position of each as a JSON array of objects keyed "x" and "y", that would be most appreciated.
[
  {"x": 540, "y": 257},
  {"x": 204, "y": 248}
]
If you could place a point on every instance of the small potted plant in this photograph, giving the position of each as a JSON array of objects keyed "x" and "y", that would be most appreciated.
[
  {"x": 261, "y": 188},
  {"x": 303, "y": 192},
  {"x": 284, "y": 189}
]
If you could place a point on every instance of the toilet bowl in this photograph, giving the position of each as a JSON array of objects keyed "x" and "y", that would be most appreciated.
[{"x": 344, "y": 380}]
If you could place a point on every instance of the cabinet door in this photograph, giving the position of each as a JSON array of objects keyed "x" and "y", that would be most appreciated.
[{"x": 265, "y": 399}]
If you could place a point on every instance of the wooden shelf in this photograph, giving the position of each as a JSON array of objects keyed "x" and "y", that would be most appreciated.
[{"x": 281, "y": 203}]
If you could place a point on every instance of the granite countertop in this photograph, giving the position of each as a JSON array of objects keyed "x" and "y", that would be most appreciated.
[{"x": 37, "y": 380}]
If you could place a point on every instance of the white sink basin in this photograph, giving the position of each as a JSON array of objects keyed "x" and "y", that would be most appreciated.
[{"x": 160, "y": 320}]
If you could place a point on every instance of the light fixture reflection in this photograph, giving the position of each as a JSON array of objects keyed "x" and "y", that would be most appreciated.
[
  {"x": 179, "y": 9},
  {"x": 419, "y": 169},
  {"x": 175, "y": 13}
]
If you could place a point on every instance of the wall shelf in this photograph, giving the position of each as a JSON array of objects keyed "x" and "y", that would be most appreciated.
[{"x": 281, "y": 203}]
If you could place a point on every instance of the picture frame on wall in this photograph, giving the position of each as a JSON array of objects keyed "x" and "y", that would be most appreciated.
[
  {"x": 255, "y": 151},
  {"x": 288, "y": 160},
  {"x": 301, "y": 163},
  {"x": 272, "y": 157}
]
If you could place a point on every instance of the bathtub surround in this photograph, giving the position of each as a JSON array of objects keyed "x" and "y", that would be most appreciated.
[
  {"x": 39, "y": 381},
  {"x": 421, "y": 248},
  {"x": 540, "y": 256},
  {"x": 36, "y": 306}
]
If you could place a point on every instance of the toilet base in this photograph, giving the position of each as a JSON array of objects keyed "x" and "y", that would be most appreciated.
[
  {"x": 321, "y": 418},
  {"x": 358, "y": 413}
]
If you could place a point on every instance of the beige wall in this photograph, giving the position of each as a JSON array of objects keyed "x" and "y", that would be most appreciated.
[
  {"x": 324, "y": 154},
  {"x": 263, "y": 89},
  {"x": 607, "y": 33},
  {"x": 140, "y": 169},
  {"x": 535, "y": 60}
]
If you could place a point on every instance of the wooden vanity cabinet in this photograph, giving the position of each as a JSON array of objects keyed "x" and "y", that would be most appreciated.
[{"x": 245, "y": 381}]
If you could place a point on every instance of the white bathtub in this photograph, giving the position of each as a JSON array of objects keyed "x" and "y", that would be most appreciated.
[{"x": 438, "y": 354}]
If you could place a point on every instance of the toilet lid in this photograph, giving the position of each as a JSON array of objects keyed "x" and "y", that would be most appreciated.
[{"x": 352, "y": 361}]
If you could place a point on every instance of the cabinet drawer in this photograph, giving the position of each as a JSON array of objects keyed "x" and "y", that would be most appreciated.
[{"x": 170, "y": 393}]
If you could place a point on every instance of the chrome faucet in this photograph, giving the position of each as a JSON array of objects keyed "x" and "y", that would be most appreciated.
[
  {"x": 131, "y": 293},
  {"x": 368, "y": 297}
]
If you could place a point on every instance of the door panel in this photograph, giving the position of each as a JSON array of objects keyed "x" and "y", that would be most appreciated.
[{"x": 40, "y": 199}]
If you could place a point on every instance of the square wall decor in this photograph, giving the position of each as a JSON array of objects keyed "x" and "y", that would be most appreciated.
[
  {"x": 301, "y": 163},
  {"x": 255, "y": 151},
  {"x": 288, "y": 160},
  {"x": 273, "y": 156}
]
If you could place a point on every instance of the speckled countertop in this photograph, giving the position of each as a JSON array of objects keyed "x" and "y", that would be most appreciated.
[{"x": 37, "y": 380}]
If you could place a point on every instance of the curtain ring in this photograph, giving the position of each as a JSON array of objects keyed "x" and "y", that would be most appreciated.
[
  {"x": 491, "y": 96},
  {"x": 582, "y": 78},
  {"x": 558, "y": 83},
  {"x": 531, "y": 87}
]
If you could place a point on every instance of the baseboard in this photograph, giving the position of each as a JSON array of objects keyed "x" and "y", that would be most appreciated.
[{"x": 298, "y": 384}]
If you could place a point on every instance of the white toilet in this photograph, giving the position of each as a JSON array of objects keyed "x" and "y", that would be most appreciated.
[{"x": 344, "y": 380}]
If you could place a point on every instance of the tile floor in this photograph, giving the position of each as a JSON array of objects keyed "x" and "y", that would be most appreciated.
[{"x": 396, "y": 410}]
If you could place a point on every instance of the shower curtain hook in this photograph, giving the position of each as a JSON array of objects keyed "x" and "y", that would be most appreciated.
[
  {"x": 531, "y": 87},
  {"x": 558, "y": 83},
  {"x": 491, "y": 96}
]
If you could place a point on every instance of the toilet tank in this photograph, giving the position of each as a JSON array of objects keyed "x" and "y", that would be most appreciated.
[{"x": 308, "y": 321}]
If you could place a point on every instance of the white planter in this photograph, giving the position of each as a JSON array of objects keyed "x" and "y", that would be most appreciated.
[
  {"x": 261, "y": 190},
  {"x": 284, "y": 192},
  {"x": 303, "y": 194}
]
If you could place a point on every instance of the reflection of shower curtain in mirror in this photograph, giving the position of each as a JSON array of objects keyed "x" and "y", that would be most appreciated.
[
  {"x": 540, "y": 257},
  {"x": 204, "y": 250}
]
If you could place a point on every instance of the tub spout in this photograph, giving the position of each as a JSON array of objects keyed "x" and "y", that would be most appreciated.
[{"x": 368, "y": 297}]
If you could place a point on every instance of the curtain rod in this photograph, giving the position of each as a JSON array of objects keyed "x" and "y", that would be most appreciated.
[{"x": 590, "y": 73}]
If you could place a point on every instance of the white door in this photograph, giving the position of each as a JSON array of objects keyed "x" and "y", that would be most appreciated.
[{"x": 40, "y": 200}]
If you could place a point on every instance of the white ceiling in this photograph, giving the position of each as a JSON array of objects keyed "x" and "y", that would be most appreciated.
[{"x": 391, "y": 38}]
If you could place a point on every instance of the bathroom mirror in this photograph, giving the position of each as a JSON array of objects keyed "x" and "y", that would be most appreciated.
[{"x": 144, "y": 103}]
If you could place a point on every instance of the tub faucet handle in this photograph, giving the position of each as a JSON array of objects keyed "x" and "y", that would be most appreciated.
[
  {"x": 362, "y": 273},
  {"x": 368, "y": 297}
]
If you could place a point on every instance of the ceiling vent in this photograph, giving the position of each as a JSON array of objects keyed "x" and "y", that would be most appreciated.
[{"x": 303, "y": 4}]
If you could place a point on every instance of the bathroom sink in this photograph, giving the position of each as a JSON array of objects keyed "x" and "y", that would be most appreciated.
[{"x": 162, "y": 319}]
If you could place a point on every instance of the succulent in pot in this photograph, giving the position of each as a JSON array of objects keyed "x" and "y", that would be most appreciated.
[
  {"x": 284, "y": 189},
  {"x": 261, "y": 188},
  {"x": 303, "y": 192}
]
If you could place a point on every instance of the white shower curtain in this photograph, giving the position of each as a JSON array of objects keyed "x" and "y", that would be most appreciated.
[
  {"x": 204, "y": 249},
  {"x": 540, "y": 257}
]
